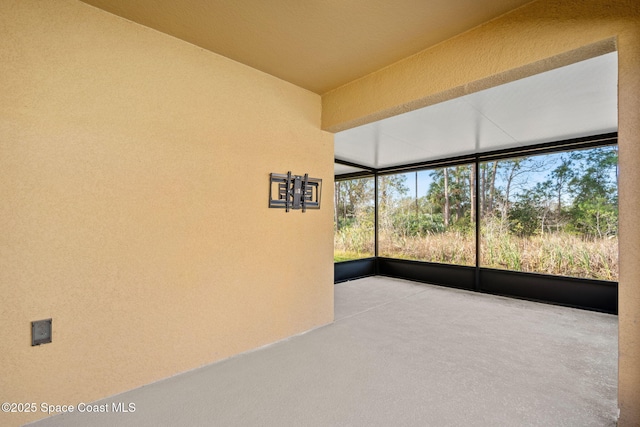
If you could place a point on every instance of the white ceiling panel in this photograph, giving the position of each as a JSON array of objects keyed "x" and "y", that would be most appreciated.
[
  {"x": 568, "y": 102},
  {"x": 356, "y": 145},
  {"x": 339, "y": 169},
  {"x": 454, "y": 127},
  {"x": 366, "y": 145}
]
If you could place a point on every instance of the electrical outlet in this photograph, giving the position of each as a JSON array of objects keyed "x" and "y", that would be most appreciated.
[{"x": 40, "y": 332}]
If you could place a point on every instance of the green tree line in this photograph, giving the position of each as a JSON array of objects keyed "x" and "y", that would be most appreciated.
[{"x": 573, "y": 192}]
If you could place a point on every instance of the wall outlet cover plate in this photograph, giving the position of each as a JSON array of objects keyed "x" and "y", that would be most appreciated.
[{"x": 41, "y": 332}]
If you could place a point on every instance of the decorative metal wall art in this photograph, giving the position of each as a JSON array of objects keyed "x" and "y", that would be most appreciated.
[{"x": 294, "y": 191}]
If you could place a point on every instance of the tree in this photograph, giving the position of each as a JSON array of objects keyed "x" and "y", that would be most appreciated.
[
  {"x": 595, "y": 208},
  {"x": 472, "y": 191},
  {"x": 391, "y": 188},
  {"x": 560, "y": 178},
  {"x": 487, "y": 188},
  {"x": 515, "y": 173},
  {"x": 447, "y": 210},
  {"x": 449, "y": 194},
  {"x": 352, "y": 197}
]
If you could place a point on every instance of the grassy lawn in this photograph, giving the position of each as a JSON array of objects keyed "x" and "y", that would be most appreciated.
[{"x": 340, "y": 256}]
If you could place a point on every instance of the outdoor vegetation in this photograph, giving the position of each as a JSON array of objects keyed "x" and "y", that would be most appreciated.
[
  {"x": 354, "y": 219},
  {"x": 552, "y": 213}
]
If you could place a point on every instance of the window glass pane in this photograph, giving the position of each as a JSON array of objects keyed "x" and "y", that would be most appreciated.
[
  {"x": 428, "y": 215},
  {"x": 553, "y": 213},
  {"x": 353, "y": 219}
]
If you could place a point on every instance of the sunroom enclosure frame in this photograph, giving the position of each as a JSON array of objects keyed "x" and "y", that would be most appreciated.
[{"x": 590, "y": 294}]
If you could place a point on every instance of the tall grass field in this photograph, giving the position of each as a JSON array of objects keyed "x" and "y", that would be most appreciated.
[{"x": 560, "y": 253}]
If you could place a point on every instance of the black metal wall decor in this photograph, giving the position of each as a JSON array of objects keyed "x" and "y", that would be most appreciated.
[{"x": 294, "y": 192}]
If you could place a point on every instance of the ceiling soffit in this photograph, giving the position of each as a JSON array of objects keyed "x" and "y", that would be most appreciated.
[
  {"x": 574, "y": 101},
  {"x": 315, "y": 44}
]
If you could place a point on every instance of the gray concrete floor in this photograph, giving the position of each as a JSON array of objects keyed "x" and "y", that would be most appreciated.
[{"x": 401, "y": 354}]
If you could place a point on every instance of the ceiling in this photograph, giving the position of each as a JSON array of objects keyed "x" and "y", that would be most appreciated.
[
  {"x": 569, "y": 102},
  {"x": 315, "y": 44},
  {"x": 320, "y": 45}
]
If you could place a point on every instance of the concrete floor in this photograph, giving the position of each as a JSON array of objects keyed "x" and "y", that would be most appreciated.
[{"x": 401, "y": 354}]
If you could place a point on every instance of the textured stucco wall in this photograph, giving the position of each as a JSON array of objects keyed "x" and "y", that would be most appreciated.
[
  {"x": 629, "y": 228},
  {"x": 134, "y": 176},
  {"x": 536, "y": 37}
]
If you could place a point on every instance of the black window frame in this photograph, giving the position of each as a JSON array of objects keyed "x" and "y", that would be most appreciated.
[{"x": 590, "y": 294}]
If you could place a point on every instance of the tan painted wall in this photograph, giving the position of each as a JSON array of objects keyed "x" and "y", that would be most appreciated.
[
  {"x": 537, "y": 37},
  {"x": 133, "y": 206}
]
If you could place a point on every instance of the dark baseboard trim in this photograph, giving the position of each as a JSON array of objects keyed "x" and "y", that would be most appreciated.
[
  {"x": 453, "y": 276},
  {"x": 595, "y": 295},
  {"x": 355, "y": 269},
  {"x": 588, "y": 294}
]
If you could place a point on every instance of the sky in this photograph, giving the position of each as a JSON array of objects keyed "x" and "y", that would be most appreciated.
[{"x": 522, "y": 182}]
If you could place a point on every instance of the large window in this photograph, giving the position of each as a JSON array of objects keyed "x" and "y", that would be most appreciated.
[
  {"x": 428, "y": 215},
  {"x": 354, "y": 235},
  {"x": 553, "y": 213}
]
